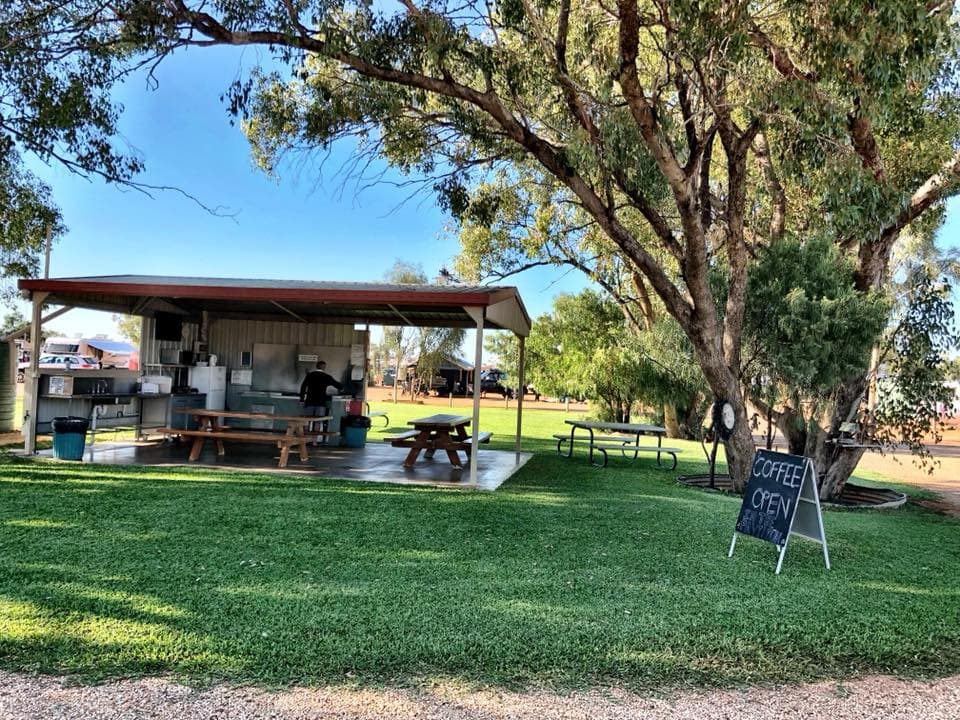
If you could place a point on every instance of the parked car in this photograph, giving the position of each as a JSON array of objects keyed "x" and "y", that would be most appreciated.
[
  {"x": 492, "y": 381},
  {"x": 59, "y": 362}
]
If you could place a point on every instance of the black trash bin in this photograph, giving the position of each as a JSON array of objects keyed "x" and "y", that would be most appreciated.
[
  {"x": 354, "y": 430},
  {"x": 69, "y": 437}
]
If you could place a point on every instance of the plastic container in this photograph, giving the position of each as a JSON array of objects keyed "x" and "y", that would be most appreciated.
[
  {"x": 69, "y": 437},
  {"x": 355, "y": 407},
  {"x": 353, "y": 431}
]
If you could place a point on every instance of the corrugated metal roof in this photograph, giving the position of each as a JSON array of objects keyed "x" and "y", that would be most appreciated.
[
  {"x": 290, "y": 300},
  {"x": 265, "y": 284}
]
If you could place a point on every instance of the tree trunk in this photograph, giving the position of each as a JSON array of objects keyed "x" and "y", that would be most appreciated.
[
  {"x": 670, "y": 421},
  {"x": 723, "y": 382}
]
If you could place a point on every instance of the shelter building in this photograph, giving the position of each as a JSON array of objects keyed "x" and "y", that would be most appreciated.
[{"x": 264, "y": 334}]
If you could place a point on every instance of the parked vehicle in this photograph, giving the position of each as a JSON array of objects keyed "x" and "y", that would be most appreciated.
[
  {"x": 59, "y": 362},
  {"x": 491, "y": 381}
]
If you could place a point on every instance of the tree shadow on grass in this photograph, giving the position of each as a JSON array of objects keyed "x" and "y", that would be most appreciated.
[{"x": 566, "y": 574}]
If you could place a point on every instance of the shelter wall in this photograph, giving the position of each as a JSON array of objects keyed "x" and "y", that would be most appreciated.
[{"x": 228, "y": 338}]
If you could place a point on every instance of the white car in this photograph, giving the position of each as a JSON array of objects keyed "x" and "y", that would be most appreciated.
[{"x": 60, "y": 362}]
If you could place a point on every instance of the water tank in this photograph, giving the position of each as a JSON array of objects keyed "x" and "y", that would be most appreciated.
[{"x": 8, "y": 386}]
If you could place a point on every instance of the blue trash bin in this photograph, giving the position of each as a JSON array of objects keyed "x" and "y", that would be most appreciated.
[
  {"x": 353, "y": 430},
  {"x": 69, "y": 437}
]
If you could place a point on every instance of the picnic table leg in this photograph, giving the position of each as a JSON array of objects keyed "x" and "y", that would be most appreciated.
[
  {"x": 296, "y": 431},
  {"x": 420, "y": 442},
  {"x": 196, "y": 448},
  {"x": 284, "y": 454},
  {"x": 445, "y": 442},
  {"x": 412, "y": 456},
  {"x": 218, "y": 425},
  {"x": 659, "y": 445},
  {"x": 569, "y": 453},
  {"x": 590, "y": 430},
  {"x": 454, "y": 457},
  {"x": 433, "y": 445}
]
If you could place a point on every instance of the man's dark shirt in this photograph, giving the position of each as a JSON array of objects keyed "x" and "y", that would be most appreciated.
[{"x": 313, "y": 389}]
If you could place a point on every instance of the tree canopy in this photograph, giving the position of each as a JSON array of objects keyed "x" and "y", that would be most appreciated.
[{"x": 663, "y": 143}]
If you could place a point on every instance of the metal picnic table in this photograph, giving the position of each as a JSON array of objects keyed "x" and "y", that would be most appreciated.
[{"x": 627, "y": 441}]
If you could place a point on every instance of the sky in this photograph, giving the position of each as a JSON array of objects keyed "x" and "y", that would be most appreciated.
[{"x": 307, "y": 224}]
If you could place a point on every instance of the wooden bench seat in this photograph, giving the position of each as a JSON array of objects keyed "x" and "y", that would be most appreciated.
[
  {"x": 625, "y": 448},
  {"x": 400, "y": 437},
  {"x": 281, "y": 440},
  {"x": 482, "y": 437}
]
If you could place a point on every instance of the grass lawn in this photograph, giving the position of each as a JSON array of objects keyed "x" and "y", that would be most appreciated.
[{"x": 568, "y": 575}]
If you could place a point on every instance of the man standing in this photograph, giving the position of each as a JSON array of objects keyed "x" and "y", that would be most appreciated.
[{"x": 313, "y": 390}]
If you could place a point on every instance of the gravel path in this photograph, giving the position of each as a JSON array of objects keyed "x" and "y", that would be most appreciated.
[{"x": 25, "y": 697}]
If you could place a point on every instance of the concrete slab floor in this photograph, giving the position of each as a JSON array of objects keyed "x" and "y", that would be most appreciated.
[{"x": 375, "y": 463}]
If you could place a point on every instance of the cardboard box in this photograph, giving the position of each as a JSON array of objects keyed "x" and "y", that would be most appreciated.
[{"x": 60, "y": 385}]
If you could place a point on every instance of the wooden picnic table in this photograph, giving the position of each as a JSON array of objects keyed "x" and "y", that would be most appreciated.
[
  {"x": 626, "y": 441},
  {"x": 211, "y": 427},
  {"x": 437, "y": 432}
]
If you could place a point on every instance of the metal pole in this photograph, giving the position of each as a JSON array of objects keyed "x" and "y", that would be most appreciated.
[
  {"x": 31, "y": 383},
  {"x": 46, "y": 253},
  {"x": 477, "y": 314},
  {"x": 521, "y": 368},
  {"x": 366, "y": 360}
]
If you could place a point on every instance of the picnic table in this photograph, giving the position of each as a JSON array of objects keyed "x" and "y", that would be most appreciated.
[
  {"x": 211, "y": 427},
  {"x": 627, "y": 440},
  {"x": 437, "y": 432}
]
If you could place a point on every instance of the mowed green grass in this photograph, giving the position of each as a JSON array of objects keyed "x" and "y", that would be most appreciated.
[{"x": 567, "y": 576}]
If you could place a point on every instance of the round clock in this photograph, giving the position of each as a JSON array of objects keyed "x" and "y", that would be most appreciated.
[{"x": 727, "y": 416}]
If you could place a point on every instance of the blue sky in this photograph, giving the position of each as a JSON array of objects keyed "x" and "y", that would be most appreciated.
[{"x": 306, "y": 225}]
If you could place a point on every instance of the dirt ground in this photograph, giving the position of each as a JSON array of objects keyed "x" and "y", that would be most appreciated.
[{"x": 874, "y": 698}]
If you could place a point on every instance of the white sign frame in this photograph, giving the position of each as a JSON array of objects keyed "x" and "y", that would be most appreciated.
[{"x": 811, "y": 518}]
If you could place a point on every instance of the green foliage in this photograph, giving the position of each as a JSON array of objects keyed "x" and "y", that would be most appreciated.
[
  {"x": 506, "y": 346},
  {"x": 129, "y": 327},
  {"x": 585, "y": 347},
  {"x": 808, "y": 326},
  {"x": 912, "y": 389},
  {"x": 433, "y": 346},
  {"x": 400, "y": 338},
  {"x": 27, "y": 215},
  {"x": 13, "y": 320}
]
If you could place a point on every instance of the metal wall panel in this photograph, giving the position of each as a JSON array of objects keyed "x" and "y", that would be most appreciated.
[
  {"x": 227, "y": 338},
  {"x": 150, "y": 347}
]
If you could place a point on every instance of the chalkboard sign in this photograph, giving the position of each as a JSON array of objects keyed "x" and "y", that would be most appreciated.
[
  {"x": 771, "y": 497},
  {"x": 781, "y": 500}
]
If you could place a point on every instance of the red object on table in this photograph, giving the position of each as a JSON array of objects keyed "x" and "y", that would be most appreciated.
[{"x": 355, "y": 407}]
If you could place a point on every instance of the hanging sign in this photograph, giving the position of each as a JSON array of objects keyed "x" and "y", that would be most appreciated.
[{"x": 781, "y": 500}]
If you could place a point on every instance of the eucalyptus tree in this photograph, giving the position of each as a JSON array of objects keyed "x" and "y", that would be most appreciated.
[
  {"x": 401, "y": 339},
  {"x": 584, "y": 347},
  {"x": 683, "y": 136}
]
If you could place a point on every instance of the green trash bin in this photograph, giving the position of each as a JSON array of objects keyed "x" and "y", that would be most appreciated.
[
  {"x": 353, "y": 430},
  {"x": 69, "y": 437}
]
